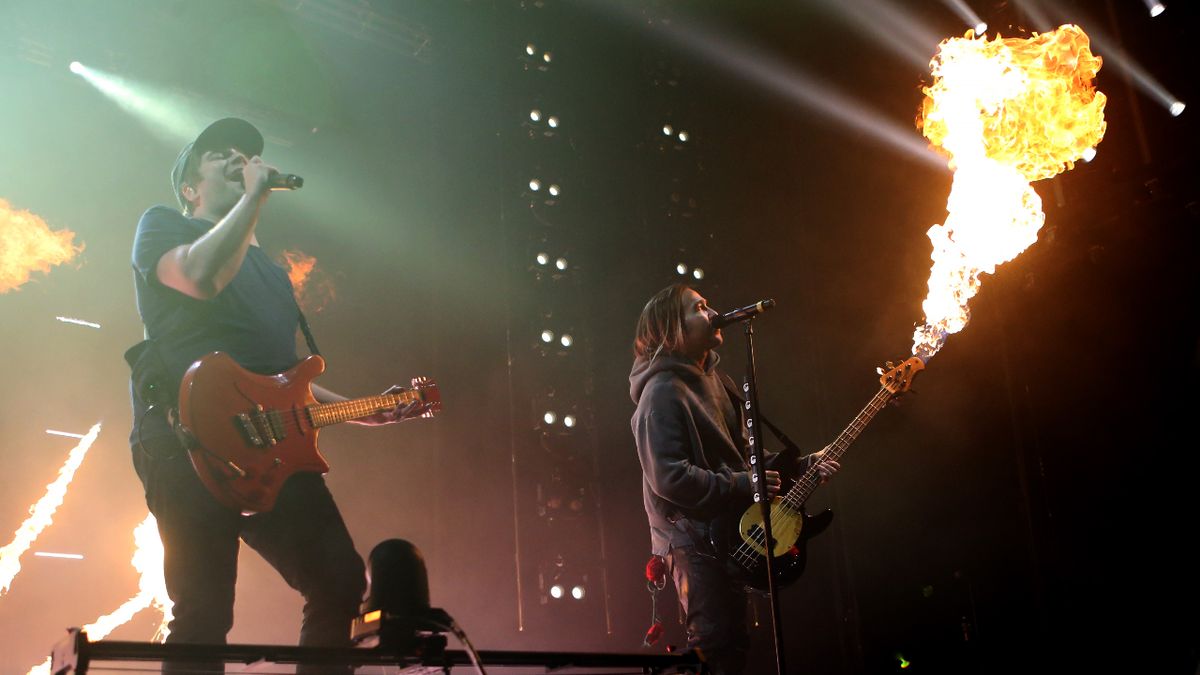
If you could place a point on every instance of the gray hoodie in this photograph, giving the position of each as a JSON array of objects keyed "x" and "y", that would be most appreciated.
[{"x": 685, "y": 427}]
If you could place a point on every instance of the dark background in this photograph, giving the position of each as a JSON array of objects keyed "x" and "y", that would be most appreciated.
[{"x": 1028, "y": 509}]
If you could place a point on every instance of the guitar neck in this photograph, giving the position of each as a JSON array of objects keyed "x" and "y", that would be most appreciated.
[
  {"x": 805, "y": 485},
  {"x": 324, "y": 414}
]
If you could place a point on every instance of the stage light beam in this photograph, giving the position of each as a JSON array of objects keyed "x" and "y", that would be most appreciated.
[
  {"x": 163, "y": 113},
  {"x": 968, "y": 16}
]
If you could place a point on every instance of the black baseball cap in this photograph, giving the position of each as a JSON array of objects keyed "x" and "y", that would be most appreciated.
[{"x": 230, "y": 132}]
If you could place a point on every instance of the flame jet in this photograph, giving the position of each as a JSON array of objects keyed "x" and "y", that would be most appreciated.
[
  {"x": 1006, "y": 112},
  {"x": 41, "y": 514},
  {"x": 28, "y": 245}
]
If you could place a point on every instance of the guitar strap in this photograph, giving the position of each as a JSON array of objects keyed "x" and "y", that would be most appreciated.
[
  {"x": 740, "y": 402},
  {"x": 308, "y": 336}
]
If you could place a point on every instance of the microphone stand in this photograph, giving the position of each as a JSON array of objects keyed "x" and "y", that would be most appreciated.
[{"x": 759, "y": 481}]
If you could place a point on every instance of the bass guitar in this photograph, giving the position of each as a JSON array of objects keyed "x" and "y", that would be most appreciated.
[
  {"x": 247, "y": 433},
  {"x": 739, "y": 539}
]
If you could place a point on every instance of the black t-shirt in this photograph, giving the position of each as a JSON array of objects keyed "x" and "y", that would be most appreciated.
[{"x": 253, "y": 319}]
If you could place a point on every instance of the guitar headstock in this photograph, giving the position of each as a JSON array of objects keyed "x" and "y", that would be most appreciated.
[
  {"x": 897, "y": 379},
  {"x": 427, "y": 389}
]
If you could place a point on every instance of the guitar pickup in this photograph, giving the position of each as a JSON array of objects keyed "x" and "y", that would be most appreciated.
[{"x": 250, "y": 430}]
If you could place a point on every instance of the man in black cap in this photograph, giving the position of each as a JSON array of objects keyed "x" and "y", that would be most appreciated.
[{"x": 203, "y": 285}]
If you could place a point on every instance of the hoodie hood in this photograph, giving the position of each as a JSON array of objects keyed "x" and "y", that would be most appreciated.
[{"x": 643, "y": 370}]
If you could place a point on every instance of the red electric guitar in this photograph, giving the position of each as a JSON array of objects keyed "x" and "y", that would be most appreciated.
[{"x": 247, "y": 433}]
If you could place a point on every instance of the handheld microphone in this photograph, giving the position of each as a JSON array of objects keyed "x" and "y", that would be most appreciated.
[
  {"x": 747, "y": 312},
  {"x": 285, "y": 181}
]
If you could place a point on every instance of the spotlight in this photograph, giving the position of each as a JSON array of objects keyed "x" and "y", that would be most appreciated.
[
  {"x": 561, "y": 263},
  {"x": 552, "y": 121},
  {"x": 549, "y": 417},
  {"x": 578, "y": 592},
  {"x": 542, "y": 259},
  {"x": 547, "y": 336},
  {"x": 535, "y": 115},
  {"x": 1177, "y": 108},
  {"x": 668, "y": 130},
  {"x": 556, "y": 591},
  {"x": 569, "y": 421},
  {"x": 1089, "y": 154},
  {"x": 554, "y": 190},
  {"x": 683, "y": 137},
  {"x": 698, "y": 274},
  {"x": 681, "y": 269},
  {"x": 535, "y": 184},
  {"x": 547, "y": 57},
  {"x": 566, "y": 340},
  {"x": 1157, "y": 8},
  {"x": 981, "y": 28},
  {"x": 76, "y": 67},
  {"x": 530, "y": 49}
]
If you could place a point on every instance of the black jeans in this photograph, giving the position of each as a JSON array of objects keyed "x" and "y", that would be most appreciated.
[
  {"x": 304, "y": 538},
  {"x": 715, "y": 607}
]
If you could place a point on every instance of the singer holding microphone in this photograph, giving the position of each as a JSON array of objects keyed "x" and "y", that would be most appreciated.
[
  {"x": 691, "y": 444},
  {"x": 203, "y": 284}
]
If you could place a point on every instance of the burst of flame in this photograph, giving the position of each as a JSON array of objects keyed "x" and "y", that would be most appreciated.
[
  {"x": 152, "y": 588},
  {"x": 152, "y": 591},
  {"x": 299, "y": 266},
  {"x": 29, "y": 245},
  {"x": 41, "y": 514},
  {"x": 1007, "y": 112},
  {"x": 313, "y": 288}
]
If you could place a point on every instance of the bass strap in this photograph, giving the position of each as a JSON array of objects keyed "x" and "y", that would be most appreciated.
[{"x": 740, "y": 402}]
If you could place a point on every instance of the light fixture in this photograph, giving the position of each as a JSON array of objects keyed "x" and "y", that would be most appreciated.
[
  {"x": 535, "y": 184},
  {"x": 566, "y": 340},
  {"x": 552, "y": 121},
  {"x": 549, "y": 417},
  {"x": 1177, "y": 108},
  {"x": 569, "y": 421},
  {"x": 981, "y": 28},
  {"x": 698, "y": 274},
  {"x": 554, "y": 190},
  {"x": 561, "y": 263},
  {"x": 1089, "y": 154},
  {"x": 668, "y": 130},
  {"x": 556, "y": 591},
  {"x": 546, "y": 57},
  {"x": 547, "y": 336},
  {"x": 683, "y": 137},
  {"x": 542, "y": 259},
  {"x": 578, "y": 592},
  {"x": 681, "y": 269},
  {"x": 535, "y": 115},
  {"x": 530, "y": 49}
]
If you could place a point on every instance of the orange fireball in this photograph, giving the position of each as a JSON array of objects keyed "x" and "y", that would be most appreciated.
[{"x": 1006, "y": 111}]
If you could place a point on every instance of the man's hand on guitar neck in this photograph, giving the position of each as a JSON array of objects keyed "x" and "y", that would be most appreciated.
[
  {"x": 825, "y": 467},
  {"x": 397, "y": 414}
]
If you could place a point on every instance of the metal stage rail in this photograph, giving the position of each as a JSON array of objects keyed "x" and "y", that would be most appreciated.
[{"x": 74, "y": 655}]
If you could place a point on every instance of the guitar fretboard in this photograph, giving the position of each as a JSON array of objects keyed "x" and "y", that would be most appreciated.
[
  {"x": 324, "y": 414},
  {"x": 805, "y": 485}
]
